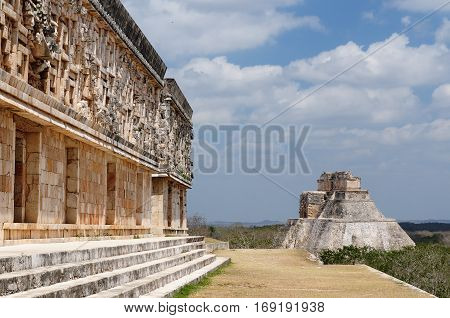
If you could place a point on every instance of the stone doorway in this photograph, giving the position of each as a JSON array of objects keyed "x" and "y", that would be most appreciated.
[
  {"x": 111, "y": 185},
  {"x": 20, "y": 178}
]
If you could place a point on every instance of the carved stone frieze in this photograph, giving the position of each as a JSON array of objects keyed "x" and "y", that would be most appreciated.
[{"x": 69, "y": 50}]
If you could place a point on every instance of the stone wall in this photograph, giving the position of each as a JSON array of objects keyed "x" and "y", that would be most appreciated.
[
  {"x": 61, "y": 181},
  {"x": 338, "y": 181},
  {"x": 107, "y": 79},
  {"x": 89, "y": 125},
  {"x": 311, "y": 204}
]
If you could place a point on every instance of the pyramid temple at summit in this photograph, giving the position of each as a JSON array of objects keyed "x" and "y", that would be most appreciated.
[{"x": 340, "y": 214}]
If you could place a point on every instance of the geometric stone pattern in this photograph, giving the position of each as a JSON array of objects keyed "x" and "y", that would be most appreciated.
[
  {"x": 66, "y": 50},
  {"x": 92, "y": 134},
  {"x": 342, "y": 214}
]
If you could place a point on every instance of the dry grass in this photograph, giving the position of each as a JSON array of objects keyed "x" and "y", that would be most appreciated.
[
  {"x": 289, "y": 273},
  {"x": 211, "y": 240}
]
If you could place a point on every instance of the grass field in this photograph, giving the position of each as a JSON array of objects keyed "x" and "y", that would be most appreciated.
[{"x": 289, "y": 273}]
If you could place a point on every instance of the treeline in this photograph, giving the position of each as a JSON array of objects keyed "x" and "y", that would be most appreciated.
[
  {"x": 240, "y": 237},
  {"x": 426, "y": 266},
  {"x": 431, "y": 227}
]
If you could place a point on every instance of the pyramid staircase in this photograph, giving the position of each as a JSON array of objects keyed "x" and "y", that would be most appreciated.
[{"x": 152, "y": 267}]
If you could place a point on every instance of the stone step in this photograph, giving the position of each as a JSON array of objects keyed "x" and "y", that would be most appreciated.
[
  {"x": 171, "y": 288},
  {"x": 20, "y": 281},
  {"x": 18, "y": 258},
  {"x": 94, "y": 284},
  {"x": 146, "y": 285}
]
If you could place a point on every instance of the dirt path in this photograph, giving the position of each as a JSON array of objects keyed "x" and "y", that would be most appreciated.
[{"x": 288, "y": 273}]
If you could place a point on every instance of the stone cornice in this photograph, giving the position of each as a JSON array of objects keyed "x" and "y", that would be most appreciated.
[{"x": 123, "y": 24}]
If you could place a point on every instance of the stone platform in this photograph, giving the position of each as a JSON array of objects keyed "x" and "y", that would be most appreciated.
[
  {"x": 23, "y": 233},
  {"x": 121, "y": 268},
  {"x": 281, "y": 273}
]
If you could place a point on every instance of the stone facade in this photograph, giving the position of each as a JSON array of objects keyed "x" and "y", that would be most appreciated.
[
  {"x": 93, "y": 138},
  {"x": 342, "y": 214},
  {"x": 311, "y": 204},
  {"x": 339, "y": 181}
]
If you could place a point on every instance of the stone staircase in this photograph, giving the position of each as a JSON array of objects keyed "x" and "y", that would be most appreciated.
[{"x": 152, "y": 267}]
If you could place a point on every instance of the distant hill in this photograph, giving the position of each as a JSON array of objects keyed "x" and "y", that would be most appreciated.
[
  {"x": 246, "y": 224},
  {"x": 431, "y": 227},
  {"x": 409, "y": 226},
  {"x": 425, "y": 221}
]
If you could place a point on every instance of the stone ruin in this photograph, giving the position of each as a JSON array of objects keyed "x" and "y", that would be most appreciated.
[
  {"x": 341, "y": 214},
  {"x": 95, "y": 140}
]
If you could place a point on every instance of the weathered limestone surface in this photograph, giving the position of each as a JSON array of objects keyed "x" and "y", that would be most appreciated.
[
  {"x": 102, "y": 269},
  {"x": 52, "y": 192},
  {"x": 89, "y": 125},
  {"x": 341, "y": 214},
  {"x": 169, "y": 207},
  {"x": 7, "y": 137},
  {"x": 311, "y": 203}
]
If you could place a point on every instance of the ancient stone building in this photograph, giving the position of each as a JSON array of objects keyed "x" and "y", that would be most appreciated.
[
  {"x": 339, "y": 214},
  {"x": 94, "y": 140}
]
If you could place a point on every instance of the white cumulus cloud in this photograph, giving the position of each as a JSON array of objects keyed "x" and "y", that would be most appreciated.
[
  {"x": 418, "y": 5},
  {"x": 441, "y": 97},
  {"x": 397, "y": 64},
  {"x": 443, "y": 33},
  {"x": 406, "y": 21},
  {"x": 225, "y": 92},
  {"x": 201, "y": 27},
  {"x": 374, "y": 102}
]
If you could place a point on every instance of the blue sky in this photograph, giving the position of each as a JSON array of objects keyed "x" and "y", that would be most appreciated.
[{"x": 387, "y": 120}]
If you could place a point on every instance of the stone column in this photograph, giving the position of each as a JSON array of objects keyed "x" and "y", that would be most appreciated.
[
  {"x": 176, "y": 222},
  {"x": 160, "y": 196},
  {"x": 139, "y": 198},
  {"x": 183, "y": 208},
  {"x": 7, "y": 155},
  {"x": 147, "y": 198}
]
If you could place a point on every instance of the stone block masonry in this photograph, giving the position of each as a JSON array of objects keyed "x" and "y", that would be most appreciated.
[
  {"x": 93, "y": 139},
  {"x": 52, "y": 191},
  {"x": 311, "y": 203},
  {"x": 7, "y": 139},
  {"x": 92, "y": 181}
]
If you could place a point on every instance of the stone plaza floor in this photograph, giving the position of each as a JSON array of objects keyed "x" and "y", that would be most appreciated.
[{"x": 290, "y": 274}]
